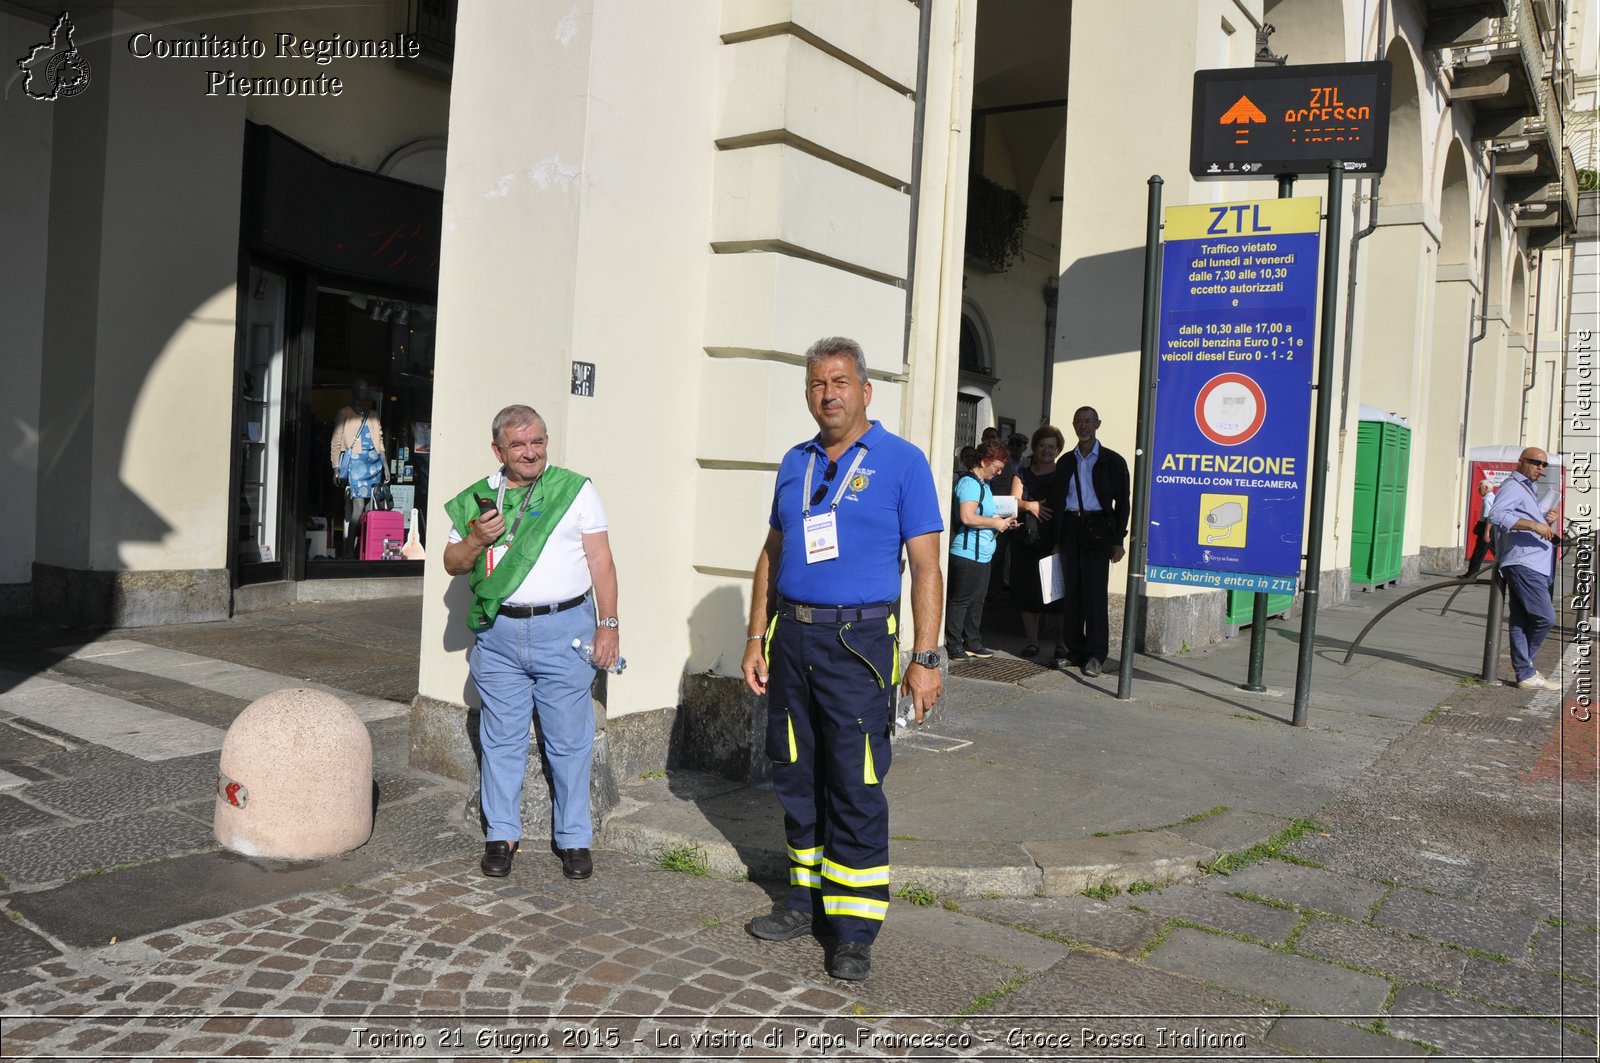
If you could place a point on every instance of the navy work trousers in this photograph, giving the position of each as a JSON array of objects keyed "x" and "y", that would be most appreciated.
[{"x": 830, "y": 688}]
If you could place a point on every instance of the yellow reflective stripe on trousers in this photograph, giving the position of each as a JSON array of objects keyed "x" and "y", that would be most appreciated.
[
  {"x": 869, "y": 773},
  {"x": 855, "y": 876},
  {"x": 794, "y": 747},
  {"x": 804, "y": 876},
  {"x": 808, "y": 857},
  {"x": 894, "y": 643},
  {"x": 859, "y": 907}
]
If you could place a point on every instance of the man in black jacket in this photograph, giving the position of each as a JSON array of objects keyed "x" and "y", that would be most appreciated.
[{"x": 1093, "y": 524}]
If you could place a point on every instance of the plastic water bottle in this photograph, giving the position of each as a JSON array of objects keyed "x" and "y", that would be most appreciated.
[
  {"x": 586, "y": 651},
  {"x": 905, "y": 711}
]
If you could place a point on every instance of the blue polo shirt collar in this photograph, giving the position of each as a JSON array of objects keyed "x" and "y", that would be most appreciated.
[{"x": 868, "y": 439}]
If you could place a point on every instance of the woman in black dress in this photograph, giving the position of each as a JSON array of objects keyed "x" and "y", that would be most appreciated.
[{"x": 1034, "y": 486}]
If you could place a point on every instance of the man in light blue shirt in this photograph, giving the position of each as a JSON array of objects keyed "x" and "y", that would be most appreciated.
[{"x": 1526, "y": 554}]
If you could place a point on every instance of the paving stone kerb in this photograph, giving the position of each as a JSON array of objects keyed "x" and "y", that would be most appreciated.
[{"x": 297, "y": 765}]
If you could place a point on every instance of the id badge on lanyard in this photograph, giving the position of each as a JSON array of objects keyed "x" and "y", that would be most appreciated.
[
  {"x": 822, "y": 530},
  {"x": 822, "y": 537}
]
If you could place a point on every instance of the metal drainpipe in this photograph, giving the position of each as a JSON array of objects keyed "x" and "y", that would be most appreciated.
[{"x": 1533, "y": 355}]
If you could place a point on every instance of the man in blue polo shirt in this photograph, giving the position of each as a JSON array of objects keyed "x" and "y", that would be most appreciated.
[
  {"x": 824, "y": 648},
  {"x": 1527, "y": 562}
]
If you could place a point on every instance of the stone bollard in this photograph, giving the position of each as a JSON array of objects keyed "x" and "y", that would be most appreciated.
[{"x": 295, "y": 781}]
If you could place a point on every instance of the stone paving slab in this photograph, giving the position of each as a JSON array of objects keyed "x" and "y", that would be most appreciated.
[
  {"x": 1009, "y": 947},
  {"x": 1302, "y": 983},
  {"x": 1208, "y": 908},
  {"x": 1327, "y": 1039},
  {"x": 51, "y": 854},
  {"x": 1533, "y": 891},
  {"x": 91, "y": 911},
  {"x": 1471, "y": 1029},
  {"x": 1092, "y": 1007},
  {"x": 1074, "y": 865},
  {"x": 1232, "y": 830},
  {"x": 739, "y": 831},
  {"x": 1570, "y": 950},
  {"x": 1528, "y": 989},
  {"x": 1308, "y": 887},
  {"x": 965, "y": 869},
  {"x": 1440, "y": 919},
  {"x": 91, "y": 716},
  {"x": 1079, "y": 919},
  {"x": 1382, "y": 950}
]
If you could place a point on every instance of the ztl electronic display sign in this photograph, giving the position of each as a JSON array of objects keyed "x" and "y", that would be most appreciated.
[{"x": 1270, "y": 121}]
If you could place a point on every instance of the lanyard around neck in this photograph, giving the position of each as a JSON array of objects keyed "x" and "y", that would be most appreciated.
[
  {"x": 844, "y": 481},
  {"x": 527, "y": 500}
]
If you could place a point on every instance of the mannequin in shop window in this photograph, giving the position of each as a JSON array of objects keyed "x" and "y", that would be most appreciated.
[{"x": 359, "y": 461}]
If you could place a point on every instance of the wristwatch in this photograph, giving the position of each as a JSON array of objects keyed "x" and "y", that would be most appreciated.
[
  {"x": 926, "y": 658},
  {"x": 607, "y": 621}
]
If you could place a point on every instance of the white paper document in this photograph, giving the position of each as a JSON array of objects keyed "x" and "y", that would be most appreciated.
[{"x": 1050, "y": 581}]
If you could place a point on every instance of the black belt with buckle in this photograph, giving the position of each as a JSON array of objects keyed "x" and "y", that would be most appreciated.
[
  {"x": 831, "y": 614},
  {"x": 523, "y": 612}
]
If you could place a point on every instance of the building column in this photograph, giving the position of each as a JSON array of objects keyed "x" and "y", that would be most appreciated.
[
  {"x": 1442, "y": 499},
  {"x": 685, "y": 196}
]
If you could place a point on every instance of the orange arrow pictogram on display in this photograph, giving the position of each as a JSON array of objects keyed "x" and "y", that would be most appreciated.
[{"x": 1241, "y": 114}]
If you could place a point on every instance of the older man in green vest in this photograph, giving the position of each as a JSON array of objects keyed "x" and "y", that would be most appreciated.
[{"x": 532, "y": 539}]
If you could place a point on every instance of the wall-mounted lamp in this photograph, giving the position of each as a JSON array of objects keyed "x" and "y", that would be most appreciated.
[
  {"x": 1471, "y": 59},
  {"x": 1508, "y": 145}
]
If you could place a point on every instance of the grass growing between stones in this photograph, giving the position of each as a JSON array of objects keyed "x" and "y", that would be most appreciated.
[
  {"x": 990, "y": 999},
  {"x": 1482, "y": 954},
  {"x": 1272, "y": 848},
  {"x": 684, "y": 859},
  {"x": 656, "y": 774},
  {"x": 1184, "y": 822},
  {"x": 1103, "y": 892},
  {"x": 917, "y": 894}
]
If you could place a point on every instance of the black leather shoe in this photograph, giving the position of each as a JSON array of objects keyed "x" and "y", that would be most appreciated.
[
  {"x": 1091, "y": 668},
  {"x": 497, "y": 857},
  {"x": 575, "y": 863},
  {"x": 784, "y": 924},
  {"x": 851, "y": 961}
]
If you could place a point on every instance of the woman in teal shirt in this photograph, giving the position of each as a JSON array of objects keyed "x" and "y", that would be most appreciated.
[{"x": 972, "y": 544}]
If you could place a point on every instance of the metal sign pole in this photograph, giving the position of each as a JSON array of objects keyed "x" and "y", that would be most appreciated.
[
  {"x": 1258, "y": 606},
  {"x": 1319, "y": 454},
  {"x": 1133, "y": 601}
]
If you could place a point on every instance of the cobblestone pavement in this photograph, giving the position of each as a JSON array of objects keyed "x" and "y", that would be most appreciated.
[
  {"x": 1439, "y": 906},
  {"x": 1444, "y": 904}
]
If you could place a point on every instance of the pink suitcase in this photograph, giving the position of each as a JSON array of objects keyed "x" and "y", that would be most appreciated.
[{"x": 378, "y": 526}]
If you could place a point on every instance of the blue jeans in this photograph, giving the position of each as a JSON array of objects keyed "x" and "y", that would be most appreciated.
[
  {"x": 1532, "y": 614},
  {"x": 523, "y": 669}
]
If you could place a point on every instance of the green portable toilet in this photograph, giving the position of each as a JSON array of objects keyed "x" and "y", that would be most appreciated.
[{"x": 1378, "y": 523}]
